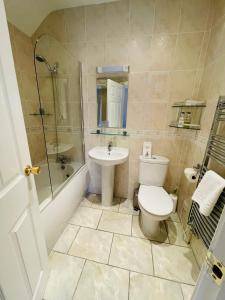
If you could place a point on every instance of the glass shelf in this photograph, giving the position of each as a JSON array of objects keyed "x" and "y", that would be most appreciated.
[
  {"x": 38, "y": 114},
  {"x": 185, "y": 126},
  {"x": 191, "y": 112},
  {"x": 124, "y": 133},
  {"x": 183, "y": 104}
]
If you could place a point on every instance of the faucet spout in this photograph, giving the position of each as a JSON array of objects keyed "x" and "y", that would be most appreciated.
[{"x": 110, "y": 147}]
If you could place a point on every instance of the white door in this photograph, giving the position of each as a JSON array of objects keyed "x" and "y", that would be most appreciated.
[
  {"x": 23, "y": 255},
  {"x": 114, "y": 103},
  {"x": 207, "y": 288}
]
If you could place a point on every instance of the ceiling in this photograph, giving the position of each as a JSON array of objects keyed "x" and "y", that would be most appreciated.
[{"x": 27, "y": 15}]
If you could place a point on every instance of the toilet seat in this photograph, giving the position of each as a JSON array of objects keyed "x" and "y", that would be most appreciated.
[{"x": 155, "y": 200}]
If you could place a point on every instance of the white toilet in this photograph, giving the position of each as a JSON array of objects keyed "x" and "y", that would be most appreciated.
[{"x": 155, "y": 204}]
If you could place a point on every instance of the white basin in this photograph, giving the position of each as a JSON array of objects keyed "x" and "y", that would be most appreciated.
[
  {"x": 108, "y": 160},
  {"x": 103, "y": 157}
]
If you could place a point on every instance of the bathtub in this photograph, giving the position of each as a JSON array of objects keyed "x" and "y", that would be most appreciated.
[
  {"x": 60, "y": 174},
  {"x": 57, "y": 210}
]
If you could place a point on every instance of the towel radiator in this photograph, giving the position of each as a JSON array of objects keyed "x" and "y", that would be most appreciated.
[{"x": 214, "y": 159}]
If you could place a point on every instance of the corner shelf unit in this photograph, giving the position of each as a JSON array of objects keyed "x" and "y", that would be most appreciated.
[
  {"x": 194, "y": 111},
  {"x": 99, "y": 132}
]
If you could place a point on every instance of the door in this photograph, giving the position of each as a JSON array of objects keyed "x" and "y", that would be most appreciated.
[
  {"x": 23, "y": 255},
  {"x": 206, "y": 287},
  {"x": 114, "y": 103}
]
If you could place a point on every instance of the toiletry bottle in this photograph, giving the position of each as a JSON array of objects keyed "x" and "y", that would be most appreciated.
[
  {"x": 188, "y": 117},
  {"x": 181, "y": 120}
]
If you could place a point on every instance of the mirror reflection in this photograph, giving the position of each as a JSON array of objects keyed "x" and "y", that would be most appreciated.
[{"x": 112, "y": 98}]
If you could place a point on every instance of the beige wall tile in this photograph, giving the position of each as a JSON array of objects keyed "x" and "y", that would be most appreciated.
[
  {"x": 23, "y": 52},
  {"x": 207, "y": 86},
  {"x": 78, "y": 50},
  {"x": 95, "y": 22},
  {"x": 92, "y": 115},
  {"x": 28, "y": 87},
  {"x": 188, "y": 50},
  {"x": 74, "y": 90},
  {"x": 142, "y": 17},
  {"x": 167, "y": 16},
  {"x": 218, "y": 9},
  {"x": 117, "y": 19},
  {"x": 162, "y": 51},
  {"x": 182, "y": 85},
  {"x": 75, "y": 26},
  {"x": 91, "y": 88},
  {"x": 95, "y": 56},
  {"x": 116, "y": 52},
  {"x": 147, "y": 116},
  {"x": 140, "y": 54},
  {"x": 194, "y": 15},
  {"x": 139, "y": 86},
  {"x": 217, "y": 41},
  {"x": 198, "y": 79},
  {"x": 160, "y": 83},
  {"x": 45, "y": 84},
  {"x": 204, "y": 49}
]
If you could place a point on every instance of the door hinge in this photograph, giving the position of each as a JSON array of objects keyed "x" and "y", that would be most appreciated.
[{"x": 216, "y": 268}]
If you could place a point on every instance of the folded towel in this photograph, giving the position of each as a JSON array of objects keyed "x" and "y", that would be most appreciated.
[
  {"x": 208, "y": 192},
  {"x": 194, "y": 102},
  {"x": 62, "y": 89}
]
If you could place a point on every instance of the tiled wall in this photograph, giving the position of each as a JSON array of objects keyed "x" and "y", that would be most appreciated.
[
  {"x": 23, "y": 56},
  {"x": 164, "y": 42},
  {"x": 212, "y": 86}
]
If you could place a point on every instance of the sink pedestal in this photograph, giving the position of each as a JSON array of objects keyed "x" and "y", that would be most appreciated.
[
  {"x": 108, "y": 160},
  {"x": 107, "y": 185}
]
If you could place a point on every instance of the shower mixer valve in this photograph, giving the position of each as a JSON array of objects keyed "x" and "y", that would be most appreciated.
[{"x": 63, "y": 159}]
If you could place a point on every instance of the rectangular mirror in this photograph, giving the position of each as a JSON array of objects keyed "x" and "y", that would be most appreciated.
[{"x": 112, "y": 96}]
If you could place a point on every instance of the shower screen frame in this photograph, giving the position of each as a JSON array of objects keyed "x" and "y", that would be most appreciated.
[{"x": 54, "y": 71}]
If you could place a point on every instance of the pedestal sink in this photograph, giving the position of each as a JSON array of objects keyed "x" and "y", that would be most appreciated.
[{"x": 108, "y": 160}]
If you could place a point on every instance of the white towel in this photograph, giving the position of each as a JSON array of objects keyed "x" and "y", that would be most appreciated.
[
  {"x": 62, "y": 87},
  {"x": 208, "y": 192}
]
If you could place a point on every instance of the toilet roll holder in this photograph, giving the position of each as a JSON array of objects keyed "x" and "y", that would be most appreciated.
[{"x": 197, "y": 168}]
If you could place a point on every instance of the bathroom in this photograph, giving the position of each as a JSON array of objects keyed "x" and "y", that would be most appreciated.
[{"x": 80, "y": 230}]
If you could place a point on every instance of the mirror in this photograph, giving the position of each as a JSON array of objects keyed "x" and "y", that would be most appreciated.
[{"x": 112, "y": 96}]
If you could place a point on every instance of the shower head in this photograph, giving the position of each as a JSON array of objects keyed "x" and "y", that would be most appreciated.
[{"x": 42, "y": 59}]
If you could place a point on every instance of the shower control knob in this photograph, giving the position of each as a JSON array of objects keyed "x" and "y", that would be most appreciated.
[{"x": 35, "y": 170}]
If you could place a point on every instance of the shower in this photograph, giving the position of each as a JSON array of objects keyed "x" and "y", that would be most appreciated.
[
  {"x": 60, "y": 116},
  {"x": 53, "y": 72},
  {"x": 42, "y": 59}
]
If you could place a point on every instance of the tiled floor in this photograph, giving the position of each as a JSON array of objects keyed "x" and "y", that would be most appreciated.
[{"x": 103, "y": 255}]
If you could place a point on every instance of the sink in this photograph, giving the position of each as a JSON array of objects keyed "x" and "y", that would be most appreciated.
[
  {"x": 108, "y": 160},
  {"x": 103, "y": 157}
]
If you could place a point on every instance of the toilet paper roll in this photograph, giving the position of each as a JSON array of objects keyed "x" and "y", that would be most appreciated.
[{"x": 191, "y": 175}]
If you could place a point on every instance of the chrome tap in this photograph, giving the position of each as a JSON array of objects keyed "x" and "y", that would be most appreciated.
[
  {"x": 110, "y": 147},
  {"x": 63, "y": 159}
]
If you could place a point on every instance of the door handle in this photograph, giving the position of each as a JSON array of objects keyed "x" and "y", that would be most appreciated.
[{"x": 35, "y": 170}]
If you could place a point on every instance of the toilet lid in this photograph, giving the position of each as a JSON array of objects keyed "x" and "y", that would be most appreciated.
[{"x": 155, "y": 200}]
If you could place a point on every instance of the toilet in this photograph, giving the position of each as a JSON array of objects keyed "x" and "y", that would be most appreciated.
[{"x": 154, "y": 202}]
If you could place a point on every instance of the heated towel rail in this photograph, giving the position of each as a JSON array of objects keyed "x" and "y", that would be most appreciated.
[{"x": 204, "y": 227}]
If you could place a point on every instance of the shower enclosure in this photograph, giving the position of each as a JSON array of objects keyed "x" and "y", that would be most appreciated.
[{"x": 60, "y": 153}]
